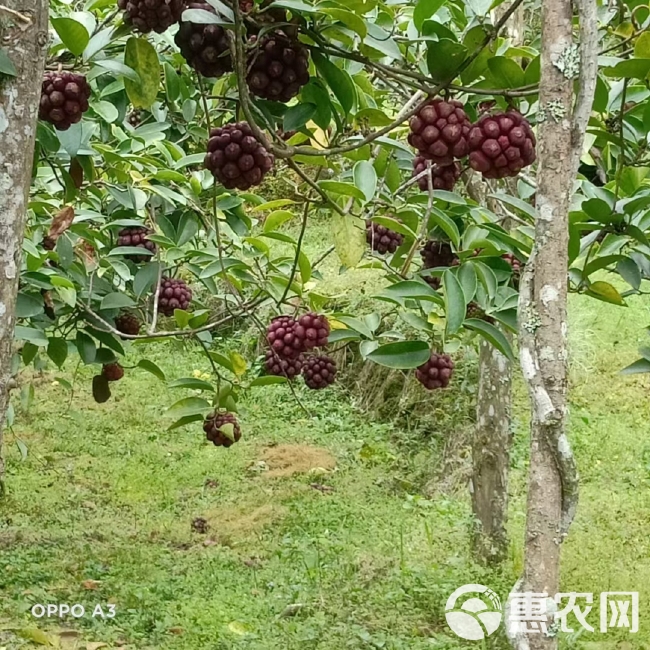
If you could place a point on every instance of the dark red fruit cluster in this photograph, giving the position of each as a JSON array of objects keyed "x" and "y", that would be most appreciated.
[
  {"x": 501, "y": 144},
  {"x": 514, "y": 262},
  {"x": 313, "y": 329},
  {"x": 283, "y": 366},
  {"x": 48, "y": 243},
  {"x": 382, "y": 239},
  {"x": 475, "y": 311},
  {"x": 64, "y": 99},
  {"x": 437, "y": 254},
  {"x": 205, "y": 47},
  {"x": 151, "y": 15},
  {"x": 436, "y": 372},
  {"x": 127, "y": 323},
  {"x": 319, "y": 372},
  {"x": 236, "y": 158},
  {"x": 443, "y": 177},
  {"x": 174, "y": 294},
  {"x": 439, "y": 131},
  {"x": 212, "y": 425},
  {"x": 136, "y": 236},
  {"x": 112, "y": 371},
  {"x": 281, "y": 335},
  {"x": 278, "y": 68}
]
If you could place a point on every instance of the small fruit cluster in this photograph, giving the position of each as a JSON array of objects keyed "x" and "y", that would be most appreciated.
[
  {"x": 498, "y": 145},
  {"x": 437, "y": 254},
  {"x": 436, "y": 372},
  {"x": 136, "y": 236},
  {"x": 289, "y": 339},
  {"x": 222, "y": 429},
  {"x": 236, "y": 158},
  {"x": 382, "y": 239}
]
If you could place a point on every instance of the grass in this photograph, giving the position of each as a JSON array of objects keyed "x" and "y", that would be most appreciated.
[{"x": 102, "y": 510}]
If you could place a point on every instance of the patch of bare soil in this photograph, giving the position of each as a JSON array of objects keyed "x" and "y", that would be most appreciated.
[
  {"x": 287, "y": 460},
  {"x": 230, "y": 523}
]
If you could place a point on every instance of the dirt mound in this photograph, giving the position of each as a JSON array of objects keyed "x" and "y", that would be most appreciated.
[
  {"x": 231, "y": 523},
  {"x": 287, "y": 460}
]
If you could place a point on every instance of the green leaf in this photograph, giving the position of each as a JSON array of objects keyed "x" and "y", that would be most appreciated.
[
  {"x": 444, "y": 57},
  {"x": 142, "y": 57},
  {"x": 294, "y": 5},
  {"x": 268, "y": 380},
  {"x": 145, "y": 278},
  {"x": 506, "y": 72},
  {"x": 7, "y": 67},
  {"x": 239, "y": 364},
  {"x": 425, "y": 9},
  {"x": 151, "y": 367},
  {"x": 349, "y": 238},
  {"x": 642, "y": 46},
  {"x": 492, "y": 334},
  {"x": 28, "y": 306},
  {"x": 188, "y": 419},
  {"x": 57, "y": 350},
  {"x": 365, "y": 178},
  {"x": 339, "y": 187},
  {"x": 116, "y": 300},
  {"x": 106, "y": 110},
  {"x": 273, "y": 205},
  {"x": 349, "y": 19},
  {"x": 73, "y": 34},
  {"x": 356, "y": 324},
  {"x": 641, "y": 365},
  {"x": 189, "y": 406},
  {"x": 223, "y": 361},
  {"x": 86, "y": 347},
  {"x": 632, "y": 68},
  {"x": 276, "y": 219},
  {"x": 119, "y": 68},
  {"x": 297, "y": 116},
  {"x": 338, "y": 80},
  {"x": 598, "y": 210},
  {"x": 204, "y": 17},
  {"x": 29, "y": 351},
  {"x": 468, "y": 280},
  {"x": 397, "y": 226},
  {"x": 402, "y": 355},
  {"x": 455, "y": 305},
  {"x": 628, "y": 269},
  {"x": 101, "y": 389},
  {"x": 605, "y": 292},
  {"x": 191, "y": 382}
]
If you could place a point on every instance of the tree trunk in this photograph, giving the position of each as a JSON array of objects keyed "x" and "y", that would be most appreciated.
[
  {"x": 553, "y": 480},
  {"x": 24, "y": 38},
  {"x": 492, "y": 438},
  {"x": 491, "y": 455}
]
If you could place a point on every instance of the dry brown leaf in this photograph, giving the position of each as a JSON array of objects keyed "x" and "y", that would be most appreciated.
[
  {"x": 95, "y": 645},
  {"x": 176, "y": 630},
  {"x": 91, "y": 585},
  {"x": 61, "y": 222}
]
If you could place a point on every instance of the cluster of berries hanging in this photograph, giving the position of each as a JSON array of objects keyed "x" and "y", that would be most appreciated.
[
  {"x": 436, "y": 372},
  {"x": 382, "y": 239},
  {"x": 222, "y": 429},
  {"x": 64, "y": 99},
  {"x": 136, "y": 236},
  {"x": 437, "y": 254},
  {"x": 498, "y": 145},
  {"x": 289, "y": 339}
]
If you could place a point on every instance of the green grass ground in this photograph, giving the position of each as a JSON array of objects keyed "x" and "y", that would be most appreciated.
[{"x": 101, "y": 512}]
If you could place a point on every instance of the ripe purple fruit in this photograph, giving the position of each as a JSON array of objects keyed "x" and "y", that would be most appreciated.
[
  {"x": 281, "y": 336},
  {"x": 212, "y": 426},
  {"x": 277, "y": 68},
  {"x": 151, "y": 15},
  {"x": 443, "y": 177},
  {"x": 382, "y": 239},
  {"x": 127, "y": 323},
  {"x": 475, "y": 311},
  {"x": 436, "y": 372},
  {"x": 205, "y": 47},
  {"x": 64, "y": 99},
  {"x": 313, "y": 329},
  {"x": 236, "y": 158},
  {"x": 283, "y": 366},
  {"x": 174, "y": 294},
  {"x": 136, "y": 236},
  {"x": 438, "y": 253},
  {"x": 112, "y": 371},
  {"x": 501, "y": 145},
  {"x": 319, "y": 372},
  {"x": 439, "y": 131}
]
